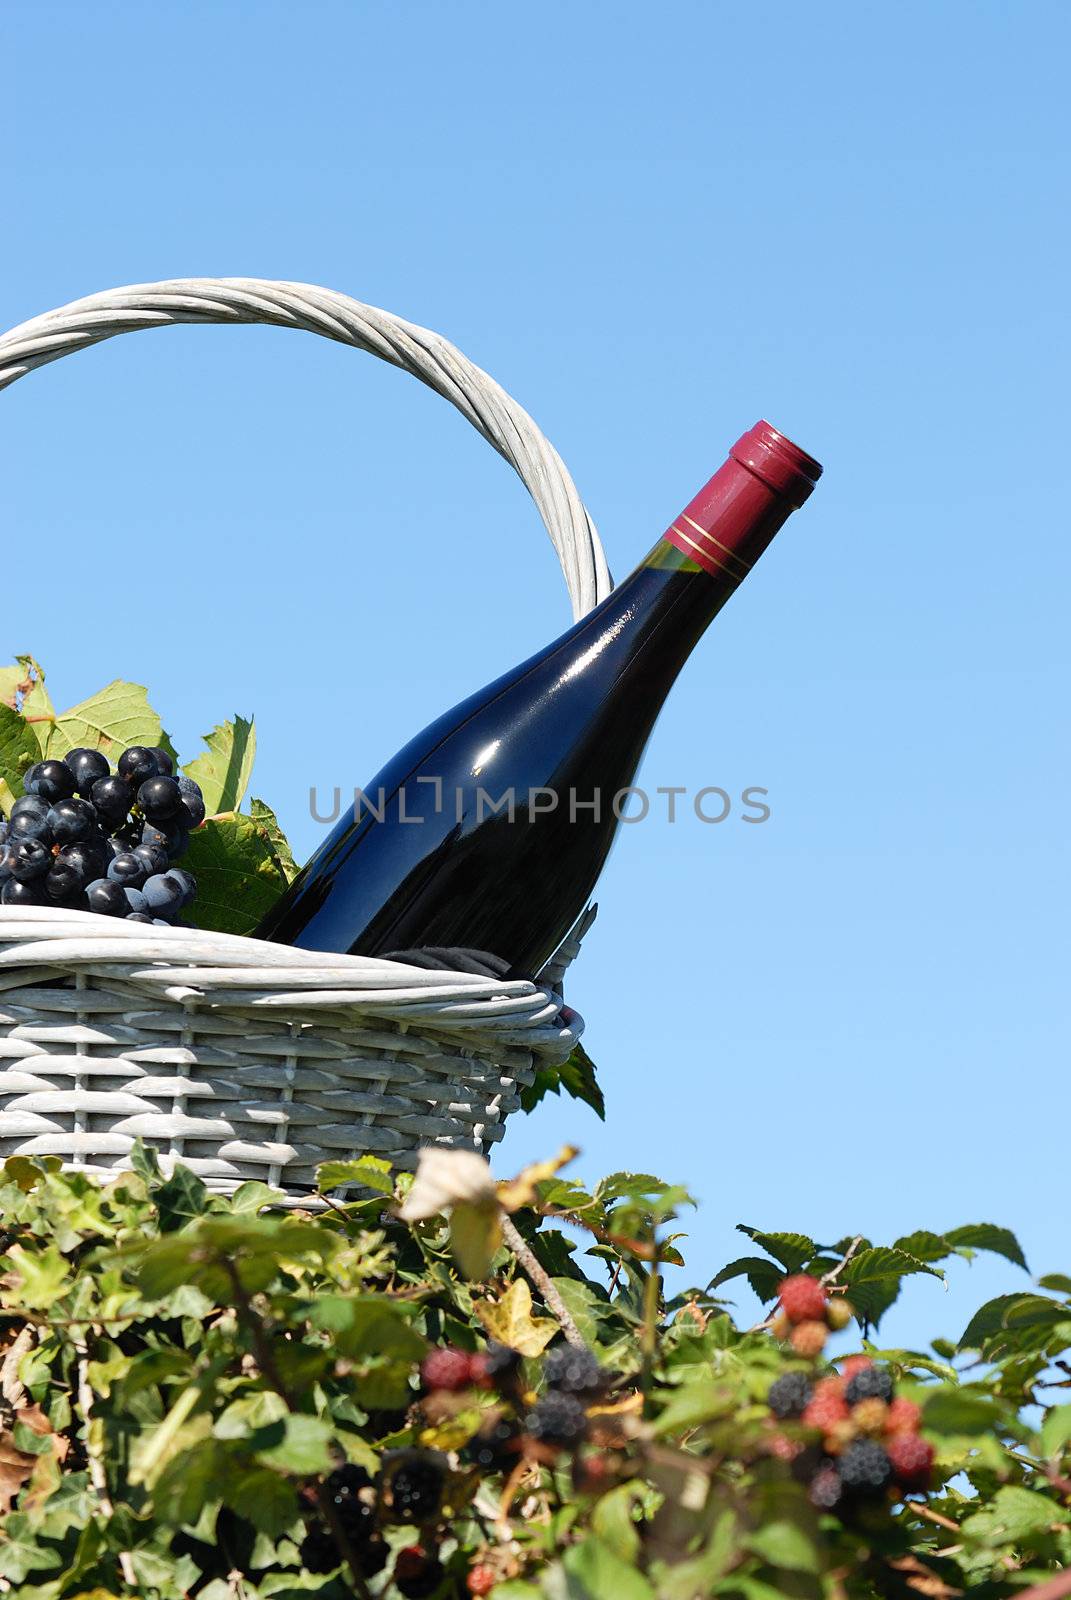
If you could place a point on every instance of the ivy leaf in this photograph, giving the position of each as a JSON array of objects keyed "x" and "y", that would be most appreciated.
[
  {"x": 238, "y": 874},
  {"x": 19, "y": 750},
  {"x": 509, "y": 1320},
  {"x": 224, "y": 770},
  {"x": 110, "y": 721},
  {"x": 180, "y": 1198}
]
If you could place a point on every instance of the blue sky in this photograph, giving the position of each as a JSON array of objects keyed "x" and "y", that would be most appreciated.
[{"x": 652, "y": 225}]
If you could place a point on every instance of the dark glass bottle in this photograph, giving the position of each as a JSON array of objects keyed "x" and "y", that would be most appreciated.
[{"x": 489, "y": 829}]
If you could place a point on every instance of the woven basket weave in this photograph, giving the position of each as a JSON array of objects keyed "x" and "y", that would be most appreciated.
[{"x": 251, "y": 1060}]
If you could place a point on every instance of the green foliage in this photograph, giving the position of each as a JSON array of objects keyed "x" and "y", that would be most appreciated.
[{"x": 180, "y": 1373}]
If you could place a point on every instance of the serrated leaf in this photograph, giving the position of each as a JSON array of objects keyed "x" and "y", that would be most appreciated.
[
  {"x": 1058, "y": 1282},
  {"x": 1055, "y": 1432},
  {"x": 110, "y": 721},
  {"x": 924, "y": 1245},
  {"x": 694, "y": 1402},
  {"x": 19, "y": 749},
  {"x": 764, "y": 1276},
  {"x": 510, "y": 1321},
  {"x": 225, "y": 768},
  {"x": 991, "y": 1322},
  {"x": 872, "y": 1279},
  {"x": 368, "y": 1171},
  {"x": 784, "y": 1544},
  {"x": 987, "y": 1236},
  {"x": 1013, "y": 1515},
  {"x": 960, "y": 1411},
  {"x": 577, "y": 1076},
  {"x": 265, "y": 818},
  {"x": 792, "y": 1250},
  {"x": 238, "y": 875},
  {"x": 294, "y": 1443}
]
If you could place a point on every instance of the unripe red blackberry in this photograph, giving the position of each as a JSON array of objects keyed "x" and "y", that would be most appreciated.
[
  {"x": 446, "y": 1369},
  {"x": 853, "y": 1364},
  {"x": 809, "y": 1339},
  {"x": 803, "y": 1298},
  {"x": 780, "y": 1325},
  {"x": 904, "y": 1416},
  {"x": 912, "y": 1461},
  {"x": 824, "y": 1411},
  {"x": 480, "y": 1580}
]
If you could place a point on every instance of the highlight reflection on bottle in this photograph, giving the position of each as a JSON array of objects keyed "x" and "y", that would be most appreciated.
[{"x": 572, "y": 722}]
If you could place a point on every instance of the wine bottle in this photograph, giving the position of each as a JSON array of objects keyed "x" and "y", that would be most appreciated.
[{"x": 489, "y": 829}]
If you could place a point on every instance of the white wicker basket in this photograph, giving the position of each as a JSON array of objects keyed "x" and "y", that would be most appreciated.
[{"x": 251, "y": 1060}]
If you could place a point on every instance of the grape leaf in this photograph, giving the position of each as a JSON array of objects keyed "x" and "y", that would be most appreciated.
[
  {"x": 265, "y": 817},
  {"x": 226, "y": 766},
  {"x": 19, "y": 749},
  {"x": 118, "y": 716},
  {"x": 238, "y": 874}
]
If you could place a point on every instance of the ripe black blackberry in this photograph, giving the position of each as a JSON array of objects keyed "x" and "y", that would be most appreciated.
[
  {"x": 499, "y": 1365},
  {"x": 864, "y": 1467},
  {"x": 558, "y": 1419},
  {"x": 416, "y": 1573},
  {"x": 319, "y": 1552},
  {"x": 346, "y": 1480},
  {"x": 790, "y": 1395},
  {"x": 497, "y": 1447},
  {"x": 411, "y": 1489},
  {"x": 872, "y": 1383},
  {"x": 573, "y": 1371}
]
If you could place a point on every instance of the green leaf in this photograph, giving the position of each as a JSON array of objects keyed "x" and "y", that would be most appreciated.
[
  {"x": 924, "y": 1246},
  {"x": 263, "y": 1498},
  {"x": 793, "y": 1250},
  {"x": 1014, "y": 1514},
  {"x": 594, "y": 1572},
  {"x": 294, "y": 1443},
  {"x": 367, "y": 1325},
  {"x": 368, "y": 1171},
  {"x": 509, "y": 1320},
  {"x": 583, "y": 1305},
  {"x": 238, "y": 874},
  {"x": 986, "y": 1236},
  {"x": 872, "y": 1279},
  {"x": 696, "y": 1401},
  {"x": 19, "y": 750},
  {"x": 224, "y": 770},
  {"x": 988, "y": 1329},
  {"x": 577, "y": 1076},
  {"x": 764, "y": 1276},
  {"x": 180, "y": 1198},
  {"x": 782, "y": 1543},
  {"x": 118, "y": 716},
  {"x": 613, "y": 1522},
  {"x": 253, "y": 1196},
  {"x": 1055, "y": 1432},
  {"x": 1058, "y": 1282},
  {"x": 265, "y": 818},
  {"x": 960, "y": 1411}
]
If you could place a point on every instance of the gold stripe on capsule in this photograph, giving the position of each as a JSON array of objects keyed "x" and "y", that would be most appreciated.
[
  {"x": 724, "y": 547},
  {"x": 707, "y": 555}
]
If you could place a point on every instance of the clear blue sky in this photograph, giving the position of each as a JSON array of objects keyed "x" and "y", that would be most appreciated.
[{"x": 653, "y": 225}]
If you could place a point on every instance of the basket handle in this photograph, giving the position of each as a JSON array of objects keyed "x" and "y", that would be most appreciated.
[{"x": 428, "y": 356}]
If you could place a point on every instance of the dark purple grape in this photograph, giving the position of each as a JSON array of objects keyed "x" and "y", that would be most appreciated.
[
  {"x": 71, "y": 820},
  {"x": 164, "y": 763},
  {"x": 29, "y": 819},
  {"x": 106, "y": 898},
  {"x": 87, "y": 857},
  {"x": 65, "y": 880},
  {"x": 194, "y": 807},
  {"x": 164, "y": 893},
  {"x": 187, "y": 881},
  {"x": 28, "y": 860},
  {"x": 138, "y": 764},
  {"x": 173, "y": 835},
  {"x": 15, "y": 893},
  {"x": 136, "y": 902},
  {"x": 51, "y": 780},
  {"x": 159, "y": 799},
  {"x": 126, "y": 869},
  {"x": 153, "y": 857},
  {"x": 138, "y": 916},
  {"x": 112, "y": 798},
  {"x": 86, "y": 767}
]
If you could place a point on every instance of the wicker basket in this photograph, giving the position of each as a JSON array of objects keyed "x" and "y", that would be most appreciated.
[{"x": 251, "y": 1060}]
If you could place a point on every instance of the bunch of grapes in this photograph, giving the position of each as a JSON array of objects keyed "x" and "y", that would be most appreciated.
[{"x": 85, "y": 838}]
